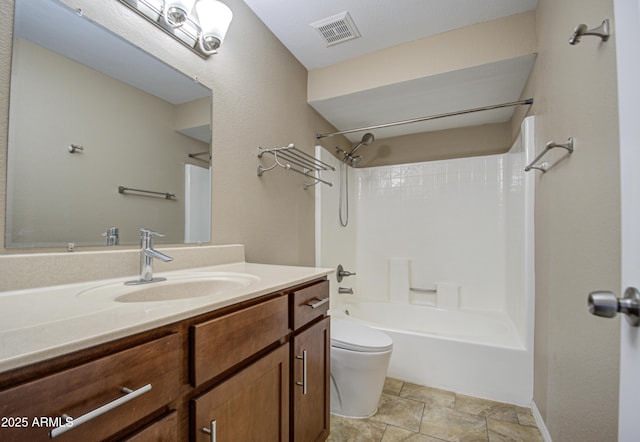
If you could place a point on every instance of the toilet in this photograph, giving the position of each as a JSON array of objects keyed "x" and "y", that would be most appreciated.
[{"x": 359, "y": 361}]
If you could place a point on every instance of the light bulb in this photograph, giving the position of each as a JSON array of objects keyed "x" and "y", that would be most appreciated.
[
  {"x": 215, "y": 18},
  {"x": 177, "y": 11}
]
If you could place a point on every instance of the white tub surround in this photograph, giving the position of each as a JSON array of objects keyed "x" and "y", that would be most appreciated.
[
  {"x": 399, "y": 280},
  {"x": 41, "y": 323},
  {"x": 457, "y": 235}
]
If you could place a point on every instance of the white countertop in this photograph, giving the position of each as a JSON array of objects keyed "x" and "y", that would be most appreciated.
[{"x": 38, "y": 324}]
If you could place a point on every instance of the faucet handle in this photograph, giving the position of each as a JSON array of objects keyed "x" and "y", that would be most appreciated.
[
  {"x": 341, "y": 273},
  {"x": 149, "y": 233}
]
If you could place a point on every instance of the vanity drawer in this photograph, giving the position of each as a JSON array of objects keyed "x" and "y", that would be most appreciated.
[
  {"x": 309, "y": 303},
  {"x": 221, "y": 343},
  {"x": 162, "y": 430},
  {"x": 92, "y": 394}
]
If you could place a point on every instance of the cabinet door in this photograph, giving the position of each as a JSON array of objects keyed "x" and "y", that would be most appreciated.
[
  {"x": 251, "y": 406},
  {"x": 311, "y": 383},
  {"x": 164, "y": 429}
]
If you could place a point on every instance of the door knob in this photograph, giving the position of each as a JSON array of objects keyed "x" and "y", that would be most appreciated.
[{"x": 605, "y": 304}]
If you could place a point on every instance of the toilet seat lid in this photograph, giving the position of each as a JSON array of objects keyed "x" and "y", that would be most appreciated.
[{"x": 356, "y": 337}]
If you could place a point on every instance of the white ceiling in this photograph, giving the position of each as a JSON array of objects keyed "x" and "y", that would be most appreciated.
[
  {"x": 386, "y": 23},
  {"x": 382, "y": 23}
]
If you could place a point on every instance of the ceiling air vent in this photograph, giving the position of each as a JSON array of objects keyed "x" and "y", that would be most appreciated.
[{"x": 337, "y": 29}]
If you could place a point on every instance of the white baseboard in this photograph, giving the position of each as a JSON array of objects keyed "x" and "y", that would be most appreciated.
[{"x": 544, "y": 432}]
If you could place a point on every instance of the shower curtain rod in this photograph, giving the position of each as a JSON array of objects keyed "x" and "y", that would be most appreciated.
[{"x": 432, "y": 117}]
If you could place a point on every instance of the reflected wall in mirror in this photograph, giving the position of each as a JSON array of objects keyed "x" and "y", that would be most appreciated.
[{"x": 135, "y": 119}]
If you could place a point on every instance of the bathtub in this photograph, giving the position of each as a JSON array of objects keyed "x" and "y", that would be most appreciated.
[{"x": 473, "y": 353}]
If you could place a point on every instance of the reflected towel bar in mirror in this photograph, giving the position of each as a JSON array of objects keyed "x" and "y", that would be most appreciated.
[
  {"x": 421, "y": 290},
  {"x": 166, "y": 195}
]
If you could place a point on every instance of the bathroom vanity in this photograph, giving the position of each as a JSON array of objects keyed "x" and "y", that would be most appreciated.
[{"x": 254, "y": 366}]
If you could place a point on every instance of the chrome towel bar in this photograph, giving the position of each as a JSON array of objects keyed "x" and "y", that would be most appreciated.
[
  {"x": 196, "y": 156},
  {"x": 423, "y": 290},
  {"x": 581, "y": 30},
  {"x": 550, "y": 145},
  {"x": 166, "y": 195},
  {"x": 295, "y": 160}
]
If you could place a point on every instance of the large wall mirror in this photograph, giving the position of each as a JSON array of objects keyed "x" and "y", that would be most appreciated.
[{"x": 90, "y": 114}]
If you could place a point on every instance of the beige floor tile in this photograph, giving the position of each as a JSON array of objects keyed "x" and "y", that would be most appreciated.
[
  {"x": 399, "y": 412},
  {"x": 501, "y": 431},
  {"x": 454, "y": 426},
  {"x": 392, "y": 386},
  {"x": 487, "y": 408},
  {"x": 395, "y": 434},
  {"x": 430, "y": 396},
  {"x": 525, "y": 417},
  {"x": 413, "y": 413},
  {"x": 355, "y": 430}
]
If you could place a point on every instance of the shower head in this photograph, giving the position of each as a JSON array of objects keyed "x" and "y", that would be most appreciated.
[
  {"x": 367, "y": 139},
  {"x": 355, "y": 161}
]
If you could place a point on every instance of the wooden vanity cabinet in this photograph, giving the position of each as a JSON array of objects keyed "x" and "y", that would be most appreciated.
[
  {"x": 310, "y": 360},
  {"x": 97, "y": 399},
  {"x": 252, "y": 405},
  {"x": 235, "y": 372},
  {"x": 221, "y": 343},
  {"x": 164, "y": 429}
]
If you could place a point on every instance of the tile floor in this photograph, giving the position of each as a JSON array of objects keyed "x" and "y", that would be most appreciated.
[{"x": 413, "y": 413}]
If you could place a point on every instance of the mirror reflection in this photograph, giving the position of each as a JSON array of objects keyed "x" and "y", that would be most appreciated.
[{"x": 90, "y": 114}]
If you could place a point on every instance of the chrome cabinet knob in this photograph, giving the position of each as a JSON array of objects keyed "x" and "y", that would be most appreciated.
[{"x": 607, "y": 305}]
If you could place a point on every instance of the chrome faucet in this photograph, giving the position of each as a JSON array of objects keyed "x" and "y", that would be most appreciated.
[
  {"x": 147, "y": 253},
  {"x": 113, "y": 236}
]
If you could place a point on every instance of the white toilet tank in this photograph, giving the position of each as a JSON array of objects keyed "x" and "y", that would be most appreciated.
[{"x": 359, "y": 362}]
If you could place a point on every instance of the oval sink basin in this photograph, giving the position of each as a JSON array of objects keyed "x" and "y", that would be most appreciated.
[{"x": 174, "y": 288}]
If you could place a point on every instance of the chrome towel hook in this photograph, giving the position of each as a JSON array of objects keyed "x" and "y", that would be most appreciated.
[
  {"x": 73, "y": 148},
  {"x": 601, "y": 31}
]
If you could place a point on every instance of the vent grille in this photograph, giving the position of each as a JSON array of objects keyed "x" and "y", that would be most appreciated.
[{"x": 336, "y": 29}]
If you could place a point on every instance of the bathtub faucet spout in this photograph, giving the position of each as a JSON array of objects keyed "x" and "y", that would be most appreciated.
[{"x": 345, "y": 290}]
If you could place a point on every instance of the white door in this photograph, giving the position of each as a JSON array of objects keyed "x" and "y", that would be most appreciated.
[{"x": 627, "y": 29}]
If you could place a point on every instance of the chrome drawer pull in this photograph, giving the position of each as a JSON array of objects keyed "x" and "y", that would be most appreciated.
[
  {"x": 303, "y": 384},
  {"x": 211, "y": 431},
  {"x": 320, "y": 302},
  {"x": 129, "y": 395}
]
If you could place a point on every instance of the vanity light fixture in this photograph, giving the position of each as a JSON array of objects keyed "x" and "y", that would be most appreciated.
[
  {"x": 202, "y": 29},
  {"x": 215, "y": 18},
  {"x": 176, "y": 12}
]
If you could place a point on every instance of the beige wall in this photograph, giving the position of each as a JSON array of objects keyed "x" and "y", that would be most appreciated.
[
  {"x": 259, "y": 92},
  {"x": 487, "y": 139},
  {"x": 577, "y": 224}
]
